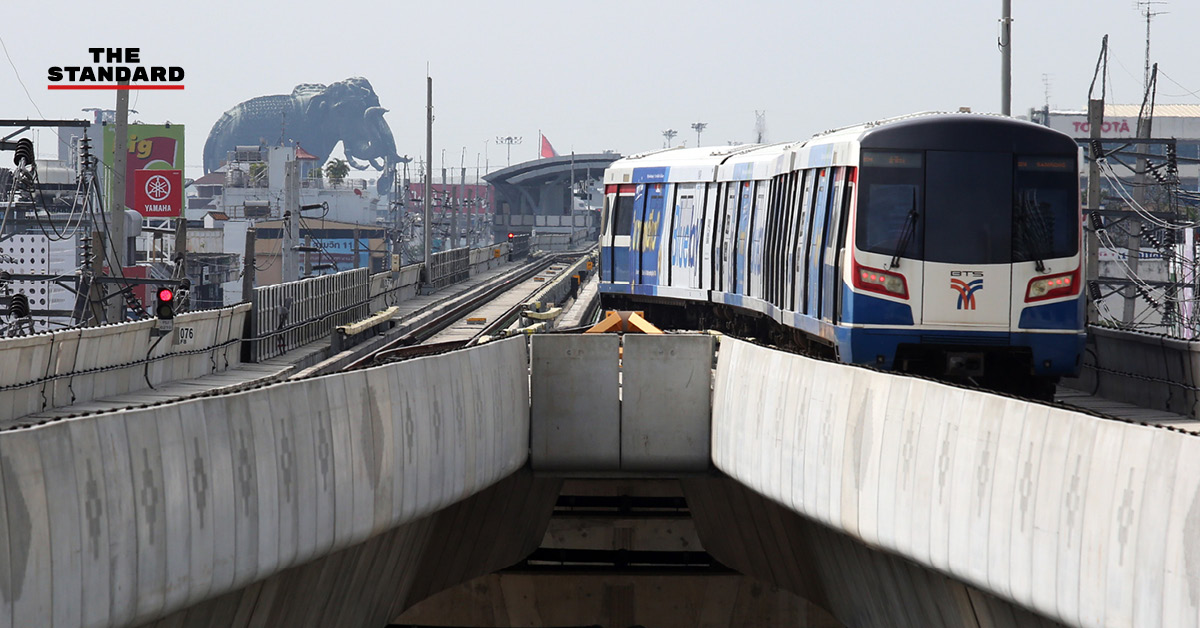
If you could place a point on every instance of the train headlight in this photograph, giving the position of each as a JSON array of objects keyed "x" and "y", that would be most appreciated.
[{"x": 1053, "y": 286}]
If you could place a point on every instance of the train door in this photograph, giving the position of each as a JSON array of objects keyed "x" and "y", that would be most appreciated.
[
  {"x": 847, "y": 207},
  {"x": 712, "y": 194},
  {"x": 791, "y": 217},
  {"x": 742, "y": 262},
  {"x": 635, "y": 238},
  {"x": 729, "y": 213},
  {"x": 803, "y": 235},
  {"x": 968, "y": 239},
  {"x": 682, "y": 259},
  {"x": 758, "y": 231},
  {"x": 816, "y": 246},
  {"x": 653, "y": 219},
  {"x": 615, "y": 260},
  {"x": 830, "y": 278},
  {"x": 606, "y": 232}
]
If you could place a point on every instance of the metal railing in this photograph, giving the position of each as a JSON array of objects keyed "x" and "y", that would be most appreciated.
[
  {"x": 449, "y": 267},
  {"x": 289, "y": 315}
]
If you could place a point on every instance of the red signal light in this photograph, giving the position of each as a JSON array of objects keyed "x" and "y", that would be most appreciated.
[
  {"x": 166, "y": 294},
  {"x": 510, "y": 236}
]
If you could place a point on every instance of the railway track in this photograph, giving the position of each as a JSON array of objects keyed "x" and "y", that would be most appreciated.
[{"x": 421, "y": 339}]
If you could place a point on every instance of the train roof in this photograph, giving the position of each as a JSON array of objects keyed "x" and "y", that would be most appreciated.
[{"x": 929, "y": 129}]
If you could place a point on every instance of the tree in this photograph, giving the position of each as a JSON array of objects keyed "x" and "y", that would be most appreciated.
[{"x": 337, "y": 170}]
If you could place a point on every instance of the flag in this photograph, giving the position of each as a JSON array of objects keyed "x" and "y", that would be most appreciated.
[{"x": 547, "y": 149}]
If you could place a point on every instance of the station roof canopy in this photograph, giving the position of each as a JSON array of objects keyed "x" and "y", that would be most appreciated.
[{"x": 551, "y": 169}]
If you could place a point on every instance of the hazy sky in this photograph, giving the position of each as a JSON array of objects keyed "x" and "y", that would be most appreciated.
[{"x": 599, "y": 75}]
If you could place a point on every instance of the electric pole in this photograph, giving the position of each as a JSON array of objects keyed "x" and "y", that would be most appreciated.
[
  {"x": 428, "y": 175},
  {"x": 291, "y": 221},
  {"x": 116, "y": 208},
  {"x": 1006, "y": 57}
]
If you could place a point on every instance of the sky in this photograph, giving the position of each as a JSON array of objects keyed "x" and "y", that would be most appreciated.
[{"x": 595, "y": 76}]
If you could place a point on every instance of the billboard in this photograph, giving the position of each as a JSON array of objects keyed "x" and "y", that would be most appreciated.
[
  {"x": 156, "y": 193},
  {"x": 150, "y": 147}
]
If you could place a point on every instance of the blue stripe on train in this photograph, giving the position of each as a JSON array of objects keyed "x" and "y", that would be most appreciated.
[{"x": 1062, "y": 315}]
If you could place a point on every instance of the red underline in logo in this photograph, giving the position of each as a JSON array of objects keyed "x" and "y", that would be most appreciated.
[{"x": 113, "y": 86}]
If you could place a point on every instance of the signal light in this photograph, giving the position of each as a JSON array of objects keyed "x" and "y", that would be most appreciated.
[
  {"x": 510, "y": 237},
  {"x": 165, "y": 308}
]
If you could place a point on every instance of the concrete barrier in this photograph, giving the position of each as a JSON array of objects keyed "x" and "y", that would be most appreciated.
[
  {"x": 123, "y": 518},
  {"x": 1147, "y": 370},
  {"x": 1084, "y": 520},
  {"x": 592, "y": 410},
  {"x": 57, "y": 369}
]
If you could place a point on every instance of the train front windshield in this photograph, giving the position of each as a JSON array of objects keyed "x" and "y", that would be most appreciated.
[{"x": 967, "y": 207}]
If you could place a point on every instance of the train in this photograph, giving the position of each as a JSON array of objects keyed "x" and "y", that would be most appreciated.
[{"x": 947, "y": 245}]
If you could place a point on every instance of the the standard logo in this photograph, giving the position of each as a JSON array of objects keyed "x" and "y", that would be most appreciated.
[
  {"x": 115, "y": 68},
  {"x": 966, "y": 292}
]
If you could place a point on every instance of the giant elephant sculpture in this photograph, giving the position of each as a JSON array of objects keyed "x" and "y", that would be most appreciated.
[{"x": 317, "y": 117}]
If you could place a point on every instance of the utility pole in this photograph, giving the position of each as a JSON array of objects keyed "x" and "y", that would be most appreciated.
[
  {"x": 248, "y": 267},
  {"x": 291, "y": 220},
  {"x": 1134, "y": 245},
  {"x": 428, "y": 176},
  {"x": 1092, "y": 272},
  {"x": 1006, "y": 57},
  {"x": 116, "y": 207}
]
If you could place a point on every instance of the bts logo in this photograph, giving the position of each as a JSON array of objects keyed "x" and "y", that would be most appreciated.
[{"x": 966, "y": 292}]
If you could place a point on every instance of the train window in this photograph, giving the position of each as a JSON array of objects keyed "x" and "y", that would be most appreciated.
[
  {"x": 968, "y": 207},
  {"x": 623, "y": 217},
  {"x": 890, "y": 203},
  {"x": 1045, "y": 210}
]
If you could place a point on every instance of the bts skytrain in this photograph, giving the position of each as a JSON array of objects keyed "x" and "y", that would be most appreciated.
[{"x": 940, "y": 244}]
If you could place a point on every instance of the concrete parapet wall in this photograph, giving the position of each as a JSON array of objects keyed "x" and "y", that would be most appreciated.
[
  {"x": 583, "y": 417},
  {"x": 57, "y": 369},
  {"x": 1086, "y": 521},
  {"x": 1147, "y": 370},
  {"x": 122, "y": 518}
]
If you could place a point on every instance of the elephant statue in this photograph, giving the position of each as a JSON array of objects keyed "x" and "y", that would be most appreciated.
[{"x": 316, "y": 117}]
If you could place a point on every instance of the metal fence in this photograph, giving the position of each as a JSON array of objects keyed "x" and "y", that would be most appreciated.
[
  {"x": 449, "y": 267},
  {"x": 289, "y": 315}
]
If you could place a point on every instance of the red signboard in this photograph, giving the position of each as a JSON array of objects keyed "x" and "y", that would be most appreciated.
[{"x": 158, "y": 193}]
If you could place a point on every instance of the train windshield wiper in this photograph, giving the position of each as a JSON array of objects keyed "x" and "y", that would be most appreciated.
[
  {"x": 1025, "y": 230},
  {"x": 906, "y": 234}
]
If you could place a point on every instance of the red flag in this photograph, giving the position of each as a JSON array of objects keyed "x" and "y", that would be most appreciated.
[{"x": 547, "y": 149}]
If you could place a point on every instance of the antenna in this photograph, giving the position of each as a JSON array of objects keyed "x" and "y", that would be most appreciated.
[
  {"x": 1146, "y": 8},
  {"x": 1046, "y": 90}
]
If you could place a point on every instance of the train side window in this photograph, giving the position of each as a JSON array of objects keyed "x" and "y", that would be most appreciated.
[{"x": 623, "y": 217}]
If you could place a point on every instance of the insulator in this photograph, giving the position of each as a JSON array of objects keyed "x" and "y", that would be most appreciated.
[
  {"x": 1094, "y": 290},
  {"x": 1097, "y": 151},
  {"x": 1096, "y": 220},
  {"x": 24, "y": 154}
]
